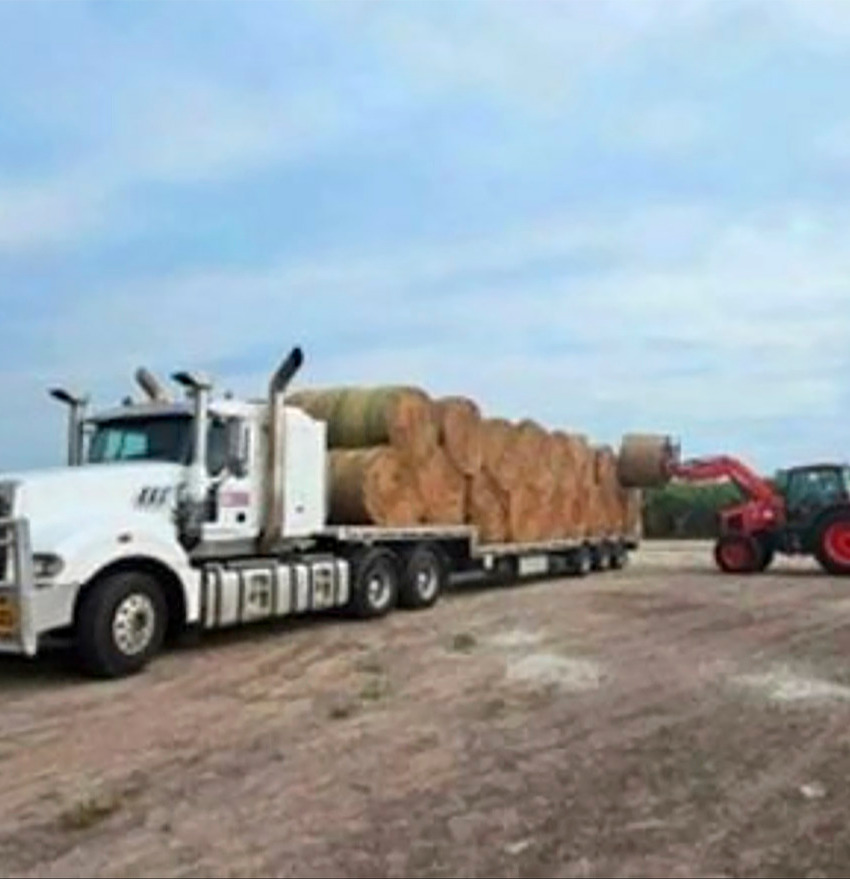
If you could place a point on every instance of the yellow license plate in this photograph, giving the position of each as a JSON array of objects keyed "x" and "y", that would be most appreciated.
[{"x": 8, "y": 616}]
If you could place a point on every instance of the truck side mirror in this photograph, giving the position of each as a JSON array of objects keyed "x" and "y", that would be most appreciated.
[{"x": 236, "y": 441}]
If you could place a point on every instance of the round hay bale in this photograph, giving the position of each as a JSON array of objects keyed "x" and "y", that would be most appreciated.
[
  {"x": 402, "y": 417},
  {"x": 527, "y": 516},
  {"x": 441, "y": 488},
  {"x": 581, "y": 457},
  {"x": 530, "y": 443},
  {"x": 318, "y": 404},
  {"x": 461, "y": 433},
  {"x": 579, "y": 516},
  {"x": 605, "y": 466},
  {"x": 372, "y": 487},
  {"x": 501, "y": 452},
  {"x": 495, "y": 434},
  {"x": 487, "y": 507},
  {"x": 561, "y": 455},
  {"x": 556, "y": 525},
  {"x": 646, "y": 460},
  {"x": 595, "y": 515}
]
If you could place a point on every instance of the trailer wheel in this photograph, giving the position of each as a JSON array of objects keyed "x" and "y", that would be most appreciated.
[
  {"x": 619, "y": 557},
  {"x": 600, "y": 557},
  {"x": 580, "y": 562},
  {"x": 832, "y": 545},
  {"x": 120, "y": 624},
  {"x": 424, "y": 576},
  {"x": 375, "y": 587}
]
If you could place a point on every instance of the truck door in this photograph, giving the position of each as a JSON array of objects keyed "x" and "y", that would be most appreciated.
[{"x": 232, "y": 504}]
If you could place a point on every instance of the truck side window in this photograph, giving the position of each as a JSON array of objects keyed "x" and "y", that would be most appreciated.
[{"x": 217, "y": 447}]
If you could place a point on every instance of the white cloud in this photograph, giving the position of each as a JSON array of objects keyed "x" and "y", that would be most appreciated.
[
  {"x": 46, "y": 213},
  {"x": 532, "y": 54},
  {"x": 165, "y": 130},
  {"x": 742, "y": 320}
]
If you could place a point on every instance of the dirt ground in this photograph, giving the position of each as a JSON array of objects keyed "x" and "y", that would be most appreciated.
[{"x": 662, "y": 721}]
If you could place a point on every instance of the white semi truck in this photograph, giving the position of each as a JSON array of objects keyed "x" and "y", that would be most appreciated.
[{"x": 212, "y": 512}]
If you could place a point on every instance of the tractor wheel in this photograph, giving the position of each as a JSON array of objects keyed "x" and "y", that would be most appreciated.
[
  {"x": 767, "y": 553},
  {"x": 832, "y": 546},
  {"x": 738, "y": 554}
]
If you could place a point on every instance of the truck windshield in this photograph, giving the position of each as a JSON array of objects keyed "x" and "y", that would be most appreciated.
[{"x": 142, "y": 439}]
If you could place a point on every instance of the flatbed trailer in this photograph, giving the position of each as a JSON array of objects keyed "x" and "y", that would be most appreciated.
[
  {"x": 369, "y": 570},
  {"x": 214, "y": 513}
]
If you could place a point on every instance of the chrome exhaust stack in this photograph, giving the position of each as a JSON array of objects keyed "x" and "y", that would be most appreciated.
[
  {"x": 273, "y": 517},
  {"x": 193, "y": 505},
  {"x": 151, "y": 385},
  {"x": 76, "y": 422}
]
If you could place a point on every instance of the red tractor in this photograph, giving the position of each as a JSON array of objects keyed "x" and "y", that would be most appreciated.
[{"x": 804, "y": 511}]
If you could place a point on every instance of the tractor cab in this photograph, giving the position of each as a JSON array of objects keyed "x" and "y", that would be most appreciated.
[{"x": 811, "y": 489}]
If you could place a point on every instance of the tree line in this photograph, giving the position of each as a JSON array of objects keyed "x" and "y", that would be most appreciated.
[{"x": 687, "y": 511}]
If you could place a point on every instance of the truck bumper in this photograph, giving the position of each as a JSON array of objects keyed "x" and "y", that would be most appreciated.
[{"x": 17, "y": 589}]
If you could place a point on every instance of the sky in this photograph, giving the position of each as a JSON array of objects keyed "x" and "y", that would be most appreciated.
[{"x": 606, "y": 216}]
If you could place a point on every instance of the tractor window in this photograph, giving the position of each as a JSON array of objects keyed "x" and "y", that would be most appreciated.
[{"x": 815, "y": 488}]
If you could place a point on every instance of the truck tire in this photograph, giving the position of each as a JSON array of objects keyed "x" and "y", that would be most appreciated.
[
  {"x": 738, "y": 554},
  {"x": 120, "y": 624},
  {"x": 580, "y": 562},
  {"x": 600, "y": 557},
  {"x": 832, "y": 543},
  {"x": 619, "y": 557},
  {"x": 375, "y": 584},
  {"x": 423, "y": 577}
]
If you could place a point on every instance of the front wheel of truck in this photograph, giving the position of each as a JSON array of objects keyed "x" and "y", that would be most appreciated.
[{"x": 121, "y": 624}]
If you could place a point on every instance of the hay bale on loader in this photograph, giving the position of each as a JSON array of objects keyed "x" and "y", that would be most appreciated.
[
  {"x": 646, "y": 460},
  {"x": 398, "y": 416},
  {"x": 461, "y": 433},
  {"x": 372, "y": 487}
]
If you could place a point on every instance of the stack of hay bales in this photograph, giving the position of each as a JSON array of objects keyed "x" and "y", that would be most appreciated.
[{"x": 399, "y": 459}]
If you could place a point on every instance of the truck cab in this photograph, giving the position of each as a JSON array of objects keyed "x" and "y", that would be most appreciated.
[
  {"x": 111, "y": 549},
  {"x": 212, "y": 512}
]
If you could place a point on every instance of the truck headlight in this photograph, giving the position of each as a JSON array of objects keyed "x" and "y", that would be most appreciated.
[{"x": 47, "y": 566}]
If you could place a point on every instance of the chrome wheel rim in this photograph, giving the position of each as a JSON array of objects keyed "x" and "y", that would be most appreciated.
[
  {"x": 427, "y": 583},
  {"x": 379, "y": 590},
  {"x": 134, "y": 624}
]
